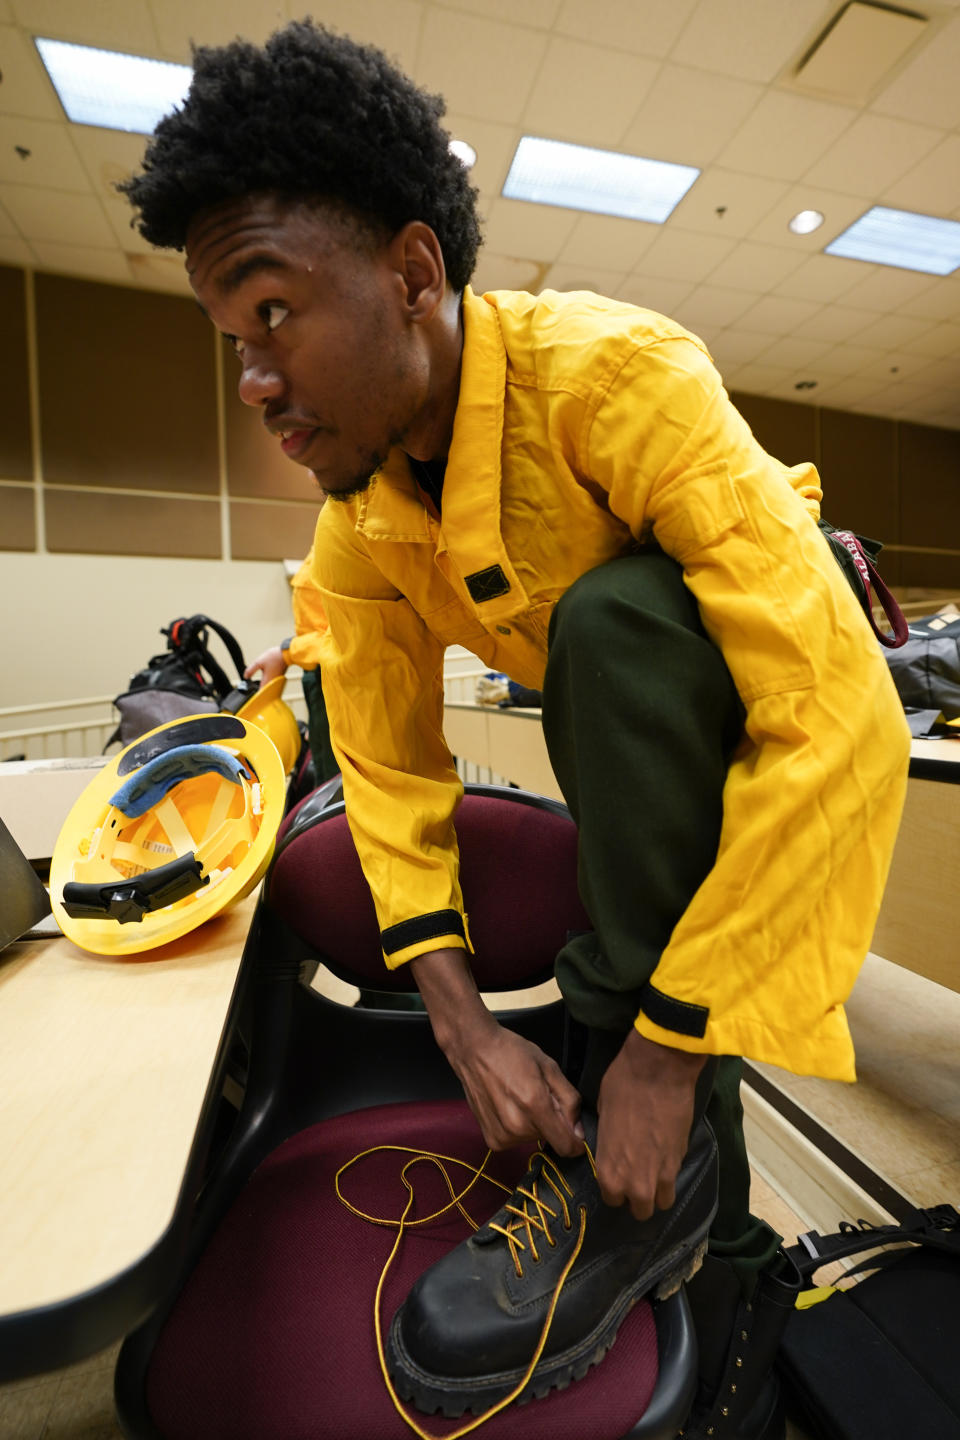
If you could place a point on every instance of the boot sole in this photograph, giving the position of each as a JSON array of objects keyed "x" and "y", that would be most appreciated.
[{"x": 452, "y": 1396}]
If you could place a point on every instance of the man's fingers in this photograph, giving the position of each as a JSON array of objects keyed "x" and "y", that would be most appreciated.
[{"x": 565, "y": 1099}]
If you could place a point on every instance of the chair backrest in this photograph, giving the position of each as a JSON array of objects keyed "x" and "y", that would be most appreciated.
[{"x": 518, "y": 870}]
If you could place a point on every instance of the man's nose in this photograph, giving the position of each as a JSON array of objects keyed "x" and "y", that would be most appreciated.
[{"x": 259, "y": 382}]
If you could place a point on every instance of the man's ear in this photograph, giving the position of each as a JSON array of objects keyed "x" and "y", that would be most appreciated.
[{"x": 418, "y": 261}]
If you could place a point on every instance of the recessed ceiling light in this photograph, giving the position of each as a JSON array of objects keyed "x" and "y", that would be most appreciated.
[
  {"x": 104, "y": 87},
  {"x": 465, "y": 153},
  {"x": 901, "y": 238},
  {"x": 551, "y": 172},
  {"x": 805, "y": 222}
]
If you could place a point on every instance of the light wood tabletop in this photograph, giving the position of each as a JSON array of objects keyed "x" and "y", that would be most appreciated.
[{"x": 104, "y": 1068}]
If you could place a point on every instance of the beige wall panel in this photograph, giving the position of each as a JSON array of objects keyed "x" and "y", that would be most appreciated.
[
  {"x": 784, "y": 429},
  {"x": 261, "y": 531},
  {"x": 858, "y": 465},
  {"x": 16, "y": 458},
  {"x": 17, "y": 518},
  {"x": 256, "y": 466},
  {"x": 127, "y": 388},
  {"x": 98, "y": 524},
  {"x": 929, "y": 488}
]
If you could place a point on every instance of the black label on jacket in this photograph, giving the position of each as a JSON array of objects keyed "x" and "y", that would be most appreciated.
[{"x": 487, "y": 584}]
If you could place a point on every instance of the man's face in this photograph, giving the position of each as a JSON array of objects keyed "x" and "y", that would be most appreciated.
[{"x": 314, "y": 309}]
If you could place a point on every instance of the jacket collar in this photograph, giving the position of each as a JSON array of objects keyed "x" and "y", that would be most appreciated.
[{"x": 470, "y": 530}]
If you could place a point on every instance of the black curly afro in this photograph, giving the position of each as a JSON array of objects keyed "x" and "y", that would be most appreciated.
[{"x": 312, "y": 116}]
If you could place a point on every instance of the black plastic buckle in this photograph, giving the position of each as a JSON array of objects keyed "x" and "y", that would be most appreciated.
[{"x": 127, "y": 901}]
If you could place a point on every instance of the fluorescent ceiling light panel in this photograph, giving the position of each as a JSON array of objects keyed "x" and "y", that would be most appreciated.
[
  {"x": 104, "y": 87},
  {"x": 898, "y": 237},
  {"x": 551, "y": 172}
]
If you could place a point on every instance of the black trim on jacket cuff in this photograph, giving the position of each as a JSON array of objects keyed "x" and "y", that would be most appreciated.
[
  {"x": 670, "y": 1014},
  {"x": 424, "y": 927}
]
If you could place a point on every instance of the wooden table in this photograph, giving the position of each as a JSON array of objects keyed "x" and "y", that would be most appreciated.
[{"x": 110, "y": 1076}]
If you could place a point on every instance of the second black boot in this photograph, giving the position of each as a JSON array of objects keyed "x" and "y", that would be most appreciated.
[
  {"x": 739, "y": 1394},
  {"x": 465, "y": 1335}
]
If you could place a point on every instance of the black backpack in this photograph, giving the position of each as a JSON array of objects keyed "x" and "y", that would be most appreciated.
[
  {"x": 926, "y": 671},
  {"x": 878, "y": 1361},
  {"x": 184, "y": 680}
]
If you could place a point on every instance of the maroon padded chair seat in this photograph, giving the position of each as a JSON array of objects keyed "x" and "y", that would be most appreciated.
[
  {"x": 518, "y": 864},
  {"x": 272, "y": 1337}
]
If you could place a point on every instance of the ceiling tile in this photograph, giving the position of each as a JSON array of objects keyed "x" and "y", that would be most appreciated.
[
  {"x": 614, "y": 244},
  {"x": 499, "y": 272},
  {"x": 91, "y": 261},
  {"x": 684, "y": 255},
  {"x": 584, "y": 277},
  {"x": 756, "y": 379},
  {"x": 642, "y": 27},
  {"x": 453, "y": 47},
  {"x": 777, "y": 315},
  {"x": 873, "y": 153},
  {"x": 495, "y": 146},
  {"x": 7, "y": 226},
  {"x": 843, "y": 393},
  {"x": 940, "y": 302},
  {"x": 120, "y": 217},
  {"x": 891, "y": 331},
  {"x": 751, "y": 39},
  {"x": 711, "y": 305},
  {"x": 6, "y": 12},
  {"x": 838, "y": 212},
  {"x": 689, "y": 115},
  {"x": 159, "y": 270},
  {"x": 52, "y": 161},
  {"x": 835, "y": 323},
  {"x": 941, "y": 342},
  {"x": 756, "y": 267},
  {"x": 893, "y": 366},
  {"x": 540, "y": 13},
  {"x": 109, "y": 24},
  {"x": 926, "y": 90},
  {"x": 53, "y": 214},
  {"x": 848, "y": 360},
  {"x": 586, "y": 94},
  {"x": 734, "y": 347},
  {"x": 26, "y": 90},
  {"x": 655, "y": 293},
  {"x": 527, "y": 231},
  {"x": 784, "y": 135},
  {"x": 887, "y": 287},
  {"x": 179, "y": 23},
  {"x": 823, "y": 278},
  {"x": 932, "y": 186},
  {"x": 392, "y": 25},
  {"x": 14, "y": 251},
  {"x": 788, "y": 350},
  {"x": 107, "y": 156},
  {"x": 742, "y": 199}
]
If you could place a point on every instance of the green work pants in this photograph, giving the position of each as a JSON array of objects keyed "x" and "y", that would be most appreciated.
[{"x": 641, "y": 716}]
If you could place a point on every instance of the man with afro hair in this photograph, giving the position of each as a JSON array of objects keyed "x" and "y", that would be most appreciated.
[{"x": 561, "y": 484}]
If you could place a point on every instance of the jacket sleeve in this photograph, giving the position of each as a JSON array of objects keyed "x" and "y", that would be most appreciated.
[
  {"x": 382, "y": 675},
  {"x": 770, "y": 946}
]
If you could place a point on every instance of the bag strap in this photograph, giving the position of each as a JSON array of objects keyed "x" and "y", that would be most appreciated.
[
  {"x": 869, "y": 574},
  {"x": 938, "y": 1226},
  {"x": 188, "y": 634}
]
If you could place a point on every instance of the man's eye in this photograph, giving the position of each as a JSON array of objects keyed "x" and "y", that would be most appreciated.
[{"x": 275, "y": 315}]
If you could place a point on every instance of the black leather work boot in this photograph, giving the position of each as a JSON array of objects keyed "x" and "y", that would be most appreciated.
[
  {"x": 739, "y": 1394},
  {"x": 465, "y": 1335}
]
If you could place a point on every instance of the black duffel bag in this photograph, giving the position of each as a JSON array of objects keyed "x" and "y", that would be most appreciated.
[{"x": 926, "y": 670}]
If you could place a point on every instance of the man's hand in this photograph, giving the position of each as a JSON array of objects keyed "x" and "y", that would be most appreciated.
[
  {"x": 646, "y": 1111},
  {"x": 271, "y": 663},
  {"x": 515, "y": 1091}
]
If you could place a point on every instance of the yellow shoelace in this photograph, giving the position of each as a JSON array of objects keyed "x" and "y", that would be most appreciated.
[{"x": 525, "y": 1220}]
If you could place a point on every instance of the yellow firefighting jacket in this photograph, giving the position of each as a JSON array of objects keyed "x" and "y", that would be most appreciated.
[{"x": 583, "y": 426}]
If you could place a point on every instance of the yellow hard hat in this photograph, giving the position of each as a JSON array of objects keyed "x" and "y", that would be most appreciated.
[
  {"x": 176, "y": 828},
  {"x": 273, "y": 715}
]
